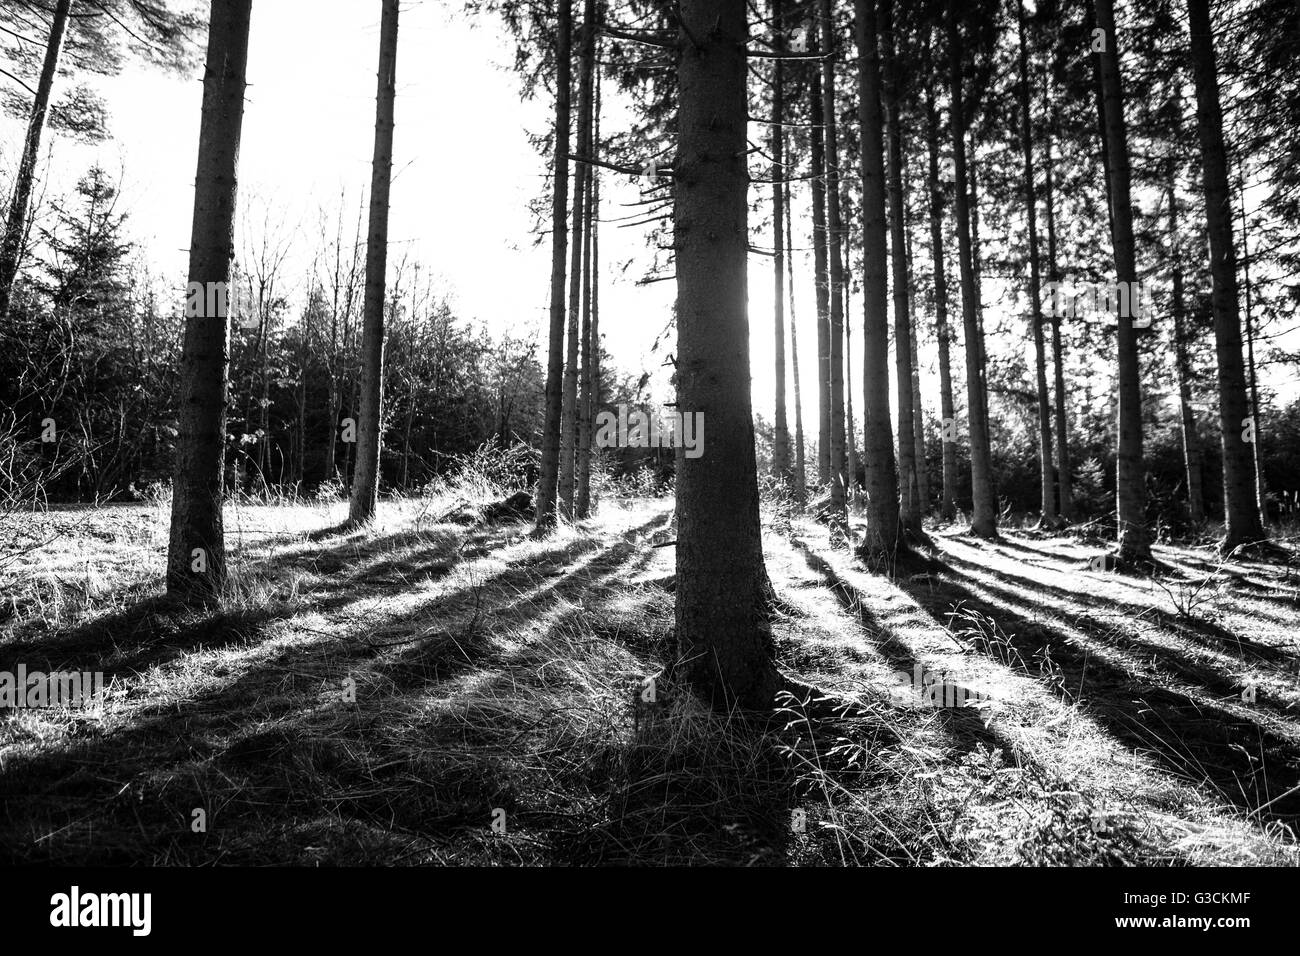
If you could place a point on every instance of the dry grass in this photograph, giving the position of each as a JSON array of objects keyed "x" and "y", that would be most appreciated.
[{"x": 384, "y": 696}]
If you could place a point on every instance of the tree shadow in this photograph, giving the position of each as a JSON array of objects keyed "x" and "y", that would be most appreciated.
[{"x": 1248, "y": 763}]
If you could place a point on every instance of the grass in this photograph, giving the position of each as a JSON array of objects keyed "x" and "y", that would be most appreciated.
[{"x": 436, "y": 690}]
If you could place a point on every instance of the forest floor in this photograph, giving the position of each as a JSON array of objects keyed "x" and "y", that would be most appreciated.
[{"x": 431, "y": 692}]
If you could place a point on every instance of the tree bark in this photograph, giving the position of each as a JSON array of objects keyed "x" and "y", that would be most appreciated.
[
  {"x": 909, "y": 498},
  {"x": 821, "y": 272},
  {"x": 1064, "y": 483},
  {"x": 881, "y": 541},
  {"x": 196, "y": 558},
  {"x": 781, "y": 428},
  {"x": 581, "y": 180},
  {"x": 1047, "y": 489},
  {"x": 11, "y": 250},
  {"x": 1192, "y": 455},
  {"x": 549, "y": 478},
  {"x": 942, "y": 330},
  {"x": 983, "y": 508},
  {"x": 365, "y": 482},
  {"x": 834, "y": 235},
  {"x": 590, "y": 346},
  {"x": 1240, "y": 507},
  {"x": 724, "y": 642},
  {"x": 800, "y": 466},
  {"x": 1130, "y": 486}
]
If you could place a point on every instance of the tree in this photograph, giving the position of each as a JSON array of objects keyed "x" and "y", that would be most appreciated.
[
  {"x": 16, "y": 222},
  {"x": 724, "y": 641},
  {"x": 1192, "y": 456},
  {"x": 942, "y": 332},
  {"x": 1064, "y": 484},
  {"x": 79, "y": 40},
  {"x": 1047, "y": 491},
  {"x": 909, "y": 487},
  {"x": 984, "y": 512},
  {"x": 781, "y": 428},
  {"x": 196, "y": 559},
  {"x": 1134, "y": 543},
  {"x": 881, "y": 541},
  {"x": 821, "y": 272},
  {"x": 569, "y": 426},
  {"x": 835, "y": 236},
  {"x": 1236, "y": 425},
  {"x": 365, "y": 481},
  {"x": 548, "y": 482}
]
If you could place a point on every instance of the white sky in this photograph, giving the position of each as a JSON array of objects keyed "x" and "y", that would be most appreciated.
[{"x": 464, "y": 173}]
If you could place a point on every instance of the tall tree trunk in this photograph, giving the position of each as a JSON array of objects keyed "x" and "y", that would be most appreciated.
[
  {"x": 1192, "y": 456},
  {"x": 909, "y": 506},
  {"x": 581, "y": 180},
  {"x": 723, "y": 640},
  {"x": 800, "y": 466},
  {"x": 881, "y": 541},
  {"x": 1064, "y": 483},
  {"x": 1240, "y": 508},
  {"x": 196, "y": 557},
  {"x": 918, "y": 417},
  {"x": 984, "y": 510},
  {"x": 365, "y": 483},
  {"x": 1130, "y": 487},
  {"x": 942, "y": 331},
  {"x": 549, "y": 479},
  {"x": 586, "y": 402},
  {"x": 835, "y": 236},
  {"x": 1047, "y": 490},
  {"x": 1256, "y": 446},
  {"x": 850, "y": 439},
  {"x": 11, "y": 250},
  {"x": 781, "y": 429},
  {"x": 821, "y": 272}
]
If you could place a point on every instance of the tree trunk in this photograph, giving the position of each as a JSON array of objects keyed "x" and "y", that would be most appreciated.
[
  {"x": 11, "y": 250},
  {"x": 1047, "y": 490},
  {"x": 724, "y": 642},
  {"x": 909, "y": 500},
  {"x": 918, "y": 417},
  {"x": 821, "y": 270},
  {"x": 942, "y": 331},
  {"x": 1240, "y": 508},
  {"x": 1064, "y": 484},
  {"x": 1130, "y": 488},
  {"x": 800, "y": 470},
  {"x": 581, "y": 181},
  {"x": 781, "y": 428},
  {"x": 365, "y": 483},
  {"x": 984, "y": 510},
  {"x": 881, "y": 541},
  {"x": 196, "y": 559},
  {"x": 586, "y": 403},
  {"x": 1192, "y": 456},
  {"x": 834, "y": 235},
  {"x": 1256, "y": 446},
  {"x": 548, "y": 481}
]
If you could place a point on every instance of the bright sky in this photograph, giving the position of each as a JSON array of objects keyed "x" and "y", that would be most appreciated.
[{"x": 464, "y": 173}]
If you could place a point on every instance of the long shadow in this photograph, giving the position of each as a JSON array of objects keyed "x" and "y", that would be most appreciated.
[
  {"x": 61, "y": 784},
  {"x": 1246, "y": 762},
  {"x": 1189, "y": 668},
  {"x": 1225, "y": 640},
  {"x": 963, "y": 725}
]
